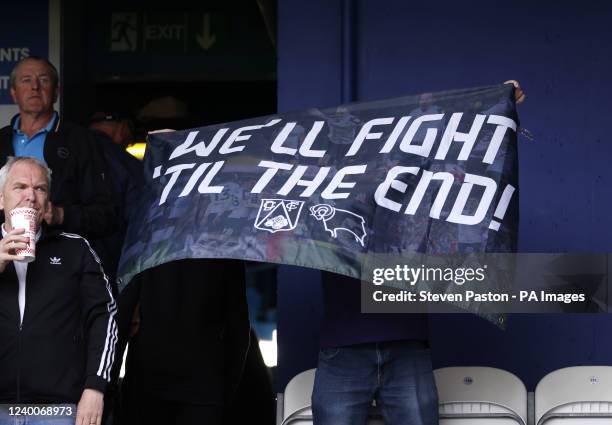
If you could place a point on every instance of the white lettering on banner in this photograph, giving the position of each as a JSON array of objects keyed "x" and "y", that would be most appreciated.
[
  {"x": 310, "y": 185},
  {"x": 430, "y": 136},
  {"x": 295, "y": 179},
  {"x": 13, "y": 54},
  {"x": 452, "y": 135},
  {"x": 479, "y": 204},
  {"x": 236, "y": 136},
  {"x": 390, "y": 182},
  {"x": 364, "y": 134},
  {"x": 395, "y": 134},
  {"x": 4, "y": 82},
  {"x": 337, "y": 183},
  {"x": 272, "y": 168},
  {"x": 447, "y": 182},
  {"x": 457, "y": 216},
  {"x": 204, "y": 187},
  {"x": 305, "y": 146},
  {"x": 201, "y": 149},
  {"x": 174, "y": 172},
  {"x": 305, "y": 150},
  {"x": 281, "y": 138},
  {"x": 502, "y": 206},
  {"x": 194, "y": 179},
  {"x": 449, "y": 136},
  {"x": 503, "y": 124},
  {"x": 417, "y": 138}
]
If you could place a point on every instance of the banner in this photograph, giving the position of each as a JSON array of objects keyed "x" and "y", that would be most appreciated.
[{"x": 331, "y": 189}]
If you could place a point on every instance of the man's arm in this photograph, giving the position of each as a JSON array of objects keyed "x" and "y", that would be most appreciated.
[
  {"x": 128, "y": 320},
  {"x": 98, "y": 308},
  {"x": 90, "y": 407},
  {"x": 88, "y": 209}
]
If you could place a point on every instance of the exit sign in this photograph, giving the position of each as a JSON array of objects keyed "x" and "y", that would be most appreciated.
[{"x": 218, "y": 42}]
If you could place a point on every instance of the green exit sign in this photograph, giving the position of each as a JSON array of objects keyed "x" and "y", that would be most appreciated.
[
  {"x": 165, "y": 32},
  {"x": 169, "y": 32},
  {"x": 218, "y": 42}
]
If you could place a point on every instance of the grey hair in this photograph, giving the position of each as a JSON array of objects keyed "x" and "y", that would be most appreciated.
[
  {"x": 12, "y": 160},
  {"x": 52, "y": 68}
]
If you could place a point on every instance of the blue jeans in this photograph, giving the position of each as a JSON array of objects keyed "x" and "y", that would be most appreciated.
[
  {"x": 397, "y": 374},
  {"x": 68, "y": 418}
]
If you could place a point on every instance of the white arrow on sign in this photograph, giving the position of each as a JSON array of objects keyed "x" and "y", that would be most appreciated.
[{"x": 206, "y": 39}]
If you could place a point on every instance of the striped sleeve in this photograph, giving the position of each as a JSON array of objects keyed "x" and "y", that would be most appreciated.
[{"x": 99, "y": 309}]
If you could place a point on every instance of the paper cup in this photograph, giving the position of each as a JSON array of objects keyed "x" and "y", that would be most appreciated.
[{"x": 26, "y": 218}]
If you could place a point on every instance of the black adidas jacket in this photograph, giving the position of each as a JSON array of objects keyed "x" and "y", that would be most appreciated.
[{"x": 67, "y": 338}]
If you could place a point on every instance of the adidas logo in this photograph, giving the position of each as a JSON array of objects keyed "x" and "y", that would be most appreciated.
[{"x": 55, "y": 260}]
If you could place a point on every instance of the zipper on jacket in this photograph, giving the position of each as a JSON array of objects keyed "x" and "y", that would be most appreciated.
[
  {"x": 27, "y": 278},
  {"x": 18, "y": 395}
]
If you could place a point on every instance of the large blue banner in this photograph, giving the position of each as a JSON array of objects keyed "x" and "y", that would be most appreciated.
[{"x": 333, "y": 188}]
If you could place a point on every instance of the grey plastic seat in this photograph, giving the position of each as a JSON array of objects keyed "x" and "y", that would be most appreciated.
[
  {"x": 295, "y": 402},
  {"x": 480, "y": 396},
  {"x": 575, "y": 395}
]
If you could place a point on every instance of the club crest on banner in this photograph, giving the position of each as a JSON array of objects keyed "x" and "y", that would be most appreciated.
[
  {"x": 335, "y": 219},
  {"x": 278, "y": 215}
]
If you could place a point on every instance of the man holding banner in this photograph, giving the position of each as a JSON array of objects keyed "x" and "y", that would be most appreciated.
[
  {"x": 382, "y": 357},
  {"x": 187, "y": 354}
]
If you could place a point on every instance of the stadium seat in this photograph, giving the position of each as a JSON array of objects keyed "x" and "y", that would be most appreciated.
[
  {"x": 480, "y": 396},
  {"x": 575, "y": 395},
  {"x": 295, "y": 402}
]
